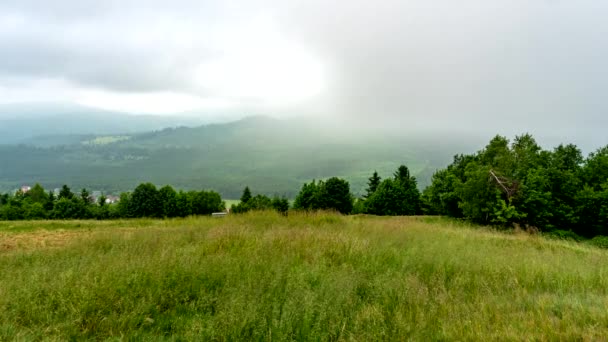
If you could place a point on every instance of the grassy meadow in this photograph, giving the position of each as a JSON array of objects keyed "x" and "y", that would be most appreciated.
[{"x": 262, "y": 276}]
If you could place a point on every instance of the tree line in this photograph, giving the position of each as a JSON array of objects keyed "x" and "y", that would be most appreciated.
[
  {"x": 504, "y": 184},
  {"x": 145, "y": 201},
  {"x": 519, "y": 183},
  {"x": 395, "y": 196}
]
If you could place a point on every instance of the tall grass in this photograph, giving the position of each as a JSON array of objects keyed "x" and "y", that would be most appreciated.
[{"x": 262, "y": 276}]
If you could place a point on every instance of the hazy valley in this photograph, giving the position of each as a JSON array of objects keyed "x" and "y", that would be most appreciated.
[{"x": 275, "y": 156}]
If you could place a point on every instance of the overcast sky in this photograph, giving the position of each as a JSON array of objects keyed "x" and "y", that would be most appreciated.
[{"x": 506, "y": 66}]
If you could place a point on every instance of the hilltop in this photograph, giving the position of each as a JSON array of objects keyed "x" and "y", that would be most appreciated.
[{"x": 263, "y": 276}]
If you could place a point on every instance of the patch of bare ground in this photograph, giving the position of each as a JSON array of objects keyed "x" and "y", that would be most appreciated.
[
  {"x": 38, "y": 240},
  {"x": 51, "y": 239}
]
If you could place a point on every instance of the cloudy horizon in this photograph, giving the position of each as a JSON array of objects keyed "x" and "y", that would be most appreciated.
[{"x": 501, "y": 66}]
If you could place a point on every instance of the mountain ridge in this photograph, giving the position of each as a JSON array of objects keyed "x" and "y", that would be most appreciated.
[
  {"x": 272, "y": 156},
  {"x": 20, "y": 122}
]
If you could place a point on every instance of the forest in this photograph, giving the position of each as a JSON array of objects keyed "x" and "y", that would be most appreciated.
[
  {"x": 274, "y": 156},
  {"x": 506, "y": 184},
  {"x": 519, "y": 183}
]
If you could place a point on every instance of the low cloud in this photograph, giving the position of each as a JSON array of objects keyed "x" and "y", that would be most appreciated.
[{"x": 471, "y": 65}]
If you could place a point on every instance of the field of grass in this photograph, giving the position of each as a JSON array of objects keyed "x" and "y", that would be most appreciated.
[{"x": 261, "y": 276}]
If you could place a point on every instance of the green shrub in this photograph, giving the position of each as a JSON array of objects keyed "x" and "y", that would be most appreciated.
[
  {"x": 600, "y": 241},
  {"x": 565, "y": 235}
]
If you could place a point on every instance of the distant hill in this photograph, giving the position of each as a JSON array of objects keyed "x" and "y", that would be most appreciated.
[
  {"x": 26, "y": 123},
  {"x": 271, "y": 156}
]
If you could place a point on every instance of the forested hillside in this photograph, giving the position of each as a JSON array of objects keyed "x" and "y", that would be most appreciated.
[{"x": 276, "y": 156}]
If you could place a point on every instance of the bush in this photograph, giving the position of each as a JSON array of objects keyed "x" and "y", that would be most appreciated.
[
  {"x": 565, "y": 235},
  {"x": 600, "y": 241}
]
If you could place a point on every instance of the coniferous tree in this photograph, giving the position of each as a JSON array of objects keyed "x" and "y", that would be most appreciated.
[
  {"x": 372, "y": 184},
  {"x": 85, "y": 196},
  {"x": 402, "y": 174},
  {"x": 411, "y": 202},
  {"x": 37, "y": 194},
  {"x": 246, "y": 195},
  {"x": 65, "y": 192}
]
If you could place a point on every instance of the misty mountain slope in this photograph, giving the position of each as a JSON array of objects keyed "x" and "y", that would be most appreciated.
[
  {"x": 271, "y": 156},
  {"x": 49, "y": 124}
]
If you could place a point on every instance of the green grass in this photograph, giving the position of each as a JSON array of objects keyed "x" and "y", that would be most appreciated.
[
  {"x": 262, "y": 276},
  {"x": 231, "y": 202}
]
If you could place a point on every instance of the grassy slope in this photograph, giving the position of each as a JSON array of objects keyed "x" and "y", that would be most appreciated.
[{"x": 303, "y": 277}]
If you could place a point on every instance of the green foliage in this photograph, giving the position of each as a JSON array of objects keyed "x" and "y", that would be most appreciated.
[
  {"x": 441, "y": 197},
  {"x": 565, "y": 235},
  {"x": 505, "y": 213},
  {"x": 48, "y": 206},
  {"x": 388, "y": 199},
  {"x": 4, "y": 199},
  {"x": 305, "y": 200},
  {"x": 519, "y": 183},
  {"x": 335, "y": 194},
  {"x": 397, "y": 196},
  {"x": 184, "y": 204},
  {"x": 478, "y": 195},
  {"x": 280, "y": 204},
  {"x": 34, "y": 211},
  {"x": 332, "y": 194},
  {"x": 145, "y": 201},
  {"x": 595, "y": 170},
  {"x": 372, "y": 184},
  {"x": 11, "y": 212},
  {"x": 37, "y": 194},
  {"x": 123, "y": 208},
  {"x": 205, "y": 202},
  {"x": 600, "y": 241},
  {"x": 65, "y": 192},
  {"x": 66, "y": 208},
  {"x": 85, "y": 196},
  {"x": 592, "y": 210},
  {"x": 101, "y": 201},
  {"x": 246, "y": 196},
  {"x": 168, "y": 197},
  {"x": 359, "y": 206},
  {"x": 259, "y": 202}
]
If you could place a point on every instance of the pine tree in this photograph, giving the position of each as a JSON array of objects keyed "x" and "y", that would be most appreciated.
[
  {"x": 65, "y": 192},
  {"x": 51, "y": 201},
  {"x": 372, "y": 184},
  {"x": 85, "y": 196},
  {"x": 402, "y": 174},
  {"x": 246, "y": 195}
]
